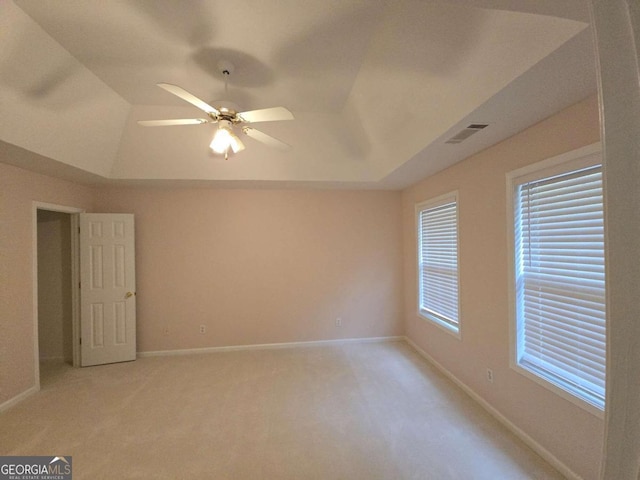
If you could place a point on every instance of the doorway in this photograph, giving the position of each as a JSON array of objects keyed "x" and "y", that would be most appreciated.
[
  {"x": 55, "y": 337},
  {"x": 55, "y": 292},
  {"x": 108, "y": 306}
]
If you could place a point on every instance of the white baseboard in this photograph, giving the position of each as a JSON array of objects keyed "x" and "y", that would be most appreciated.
[
  {"x": 266, "y": 346},
  {"x": 18, "y": 398},
  {"x": 535, "y": 446}
]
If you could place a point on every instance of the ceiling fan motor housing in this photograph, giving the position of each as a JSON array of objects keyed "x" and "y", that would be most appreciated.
[{"x": 223, "y": 123}]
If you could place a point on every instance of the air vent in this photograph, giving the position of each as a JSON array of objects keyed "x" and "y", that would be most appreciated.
[{"x": 466, "y": 133}]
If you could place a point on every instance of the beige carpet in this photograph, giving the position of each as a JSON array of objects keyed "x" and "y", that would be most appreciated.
[{"x": 359, "y": 411}]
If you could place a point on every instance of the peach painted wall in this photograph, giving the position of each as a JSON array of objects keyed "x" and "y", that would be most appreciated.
[
  {"x": 262, "y": 266},
  {"x": 18, "y": 189},
  {"x": 573, "y": 435}
]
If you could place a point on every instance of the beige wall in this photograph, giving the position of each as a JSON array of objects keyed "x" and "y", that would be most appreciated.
[
  {"x": 569, "y": 432},
  {"x": 54, "y": 286},
  {"x": 18, "y": 189},
  {"x": 263, "y": 266}
]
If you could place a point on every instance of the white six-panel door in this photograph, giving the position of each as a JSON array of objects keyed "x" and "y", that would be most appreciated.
[{"x": 107, "y": 288}]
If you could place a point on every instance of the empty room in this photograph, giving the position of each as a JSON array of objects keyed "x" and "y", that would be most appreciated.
[{"x": 310, "y": 239}]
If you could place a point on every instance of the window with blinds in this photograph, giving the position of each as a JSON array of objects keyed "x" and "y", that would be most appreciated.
[
  {"x": 560, "y": 281},
  {"x": 438, "y": 261}
]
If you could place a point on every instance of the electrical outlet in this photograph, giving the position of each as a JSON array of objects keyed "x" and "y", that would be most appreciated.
[
  {"x": 489, "y": 375},
  {"x": 338, "y": 321},
  {"x": 203, "y": 328}
]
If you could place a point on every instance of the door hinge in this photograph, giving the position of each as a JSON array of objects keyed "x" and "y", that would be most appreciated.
[{"x": 80, "y": 340}]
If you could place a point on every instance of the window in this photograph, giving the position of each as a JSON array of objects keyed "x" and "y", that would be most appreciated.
[
  {"x": 437, "y": 225},
  {"x": 559, "y": 284}
]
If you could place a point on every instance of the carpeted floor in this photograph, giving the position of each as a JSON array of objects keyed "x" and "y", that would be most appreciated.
[{"x": 357, "y": 411}]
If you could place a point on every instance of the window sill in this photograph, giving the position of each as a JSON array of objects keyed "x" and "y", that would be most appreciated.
[
  {"x": 561, "y": 392},
  {"x": 447, "y": 327}
]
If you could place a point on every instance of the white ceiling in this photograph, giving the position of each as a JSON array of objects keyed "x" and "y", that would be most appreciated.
[{"x": 376, "y": 86}]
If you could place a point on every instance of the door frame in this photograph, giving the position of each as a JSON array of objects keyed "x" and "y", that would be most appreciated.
[{"x": 75, "y": 279}]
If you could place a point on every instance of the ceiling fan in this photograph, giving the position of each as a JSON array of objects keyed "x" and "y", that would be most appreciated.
[{"x": 226, "y": 118}]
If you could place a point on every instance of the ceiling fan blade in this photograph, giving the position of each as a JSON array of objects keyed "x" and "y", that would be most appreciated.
[
  {"x": 188, "y": 97},
  {"x": 175, "y": 121},
  {"x": 266, "y": 115},
  {"x": 264, "y": 138}
]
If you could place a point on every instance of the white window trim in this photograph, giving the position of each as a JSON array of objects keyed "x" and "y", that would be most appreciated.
[
  {"x": 584, "y": 157},
  {"x": 432, "y": 203}
]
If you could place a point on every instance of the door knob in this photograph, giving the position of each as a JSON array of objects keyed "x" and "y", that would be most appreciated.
[{"x": 129, "y": 294}]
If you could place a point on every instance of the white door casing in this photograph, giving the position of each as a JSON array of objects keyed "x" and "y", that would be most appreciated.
[{"x": 107, "y": 288}]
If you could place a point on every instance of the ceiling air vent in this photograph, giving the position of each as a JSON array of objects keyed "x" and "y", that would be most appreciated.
[{"x": 467, "y": 132}]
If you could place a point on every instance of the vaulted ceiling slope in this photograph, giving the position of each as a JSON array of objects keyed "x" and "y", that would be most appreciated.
[{"x": 377, "y": 87}]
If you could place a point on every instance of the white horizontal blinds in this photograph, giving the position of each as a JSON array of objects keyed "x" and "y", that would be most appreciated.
[
  {"x": 439, "y": 263},
  {"x": 560, "y": 281}
]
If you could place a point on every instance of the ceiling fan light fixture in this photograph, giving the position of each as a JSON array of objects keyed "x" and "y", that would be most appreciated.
[
  {"x": 236, "y": 144},
  {"x": 221, "y": 141},
  {"x": 224, "y": 139}
]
